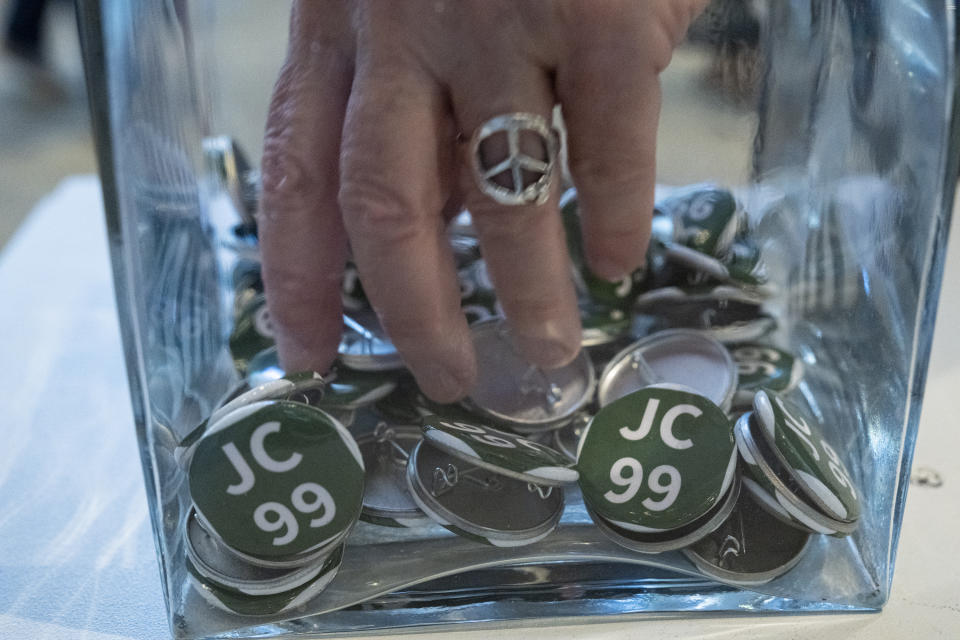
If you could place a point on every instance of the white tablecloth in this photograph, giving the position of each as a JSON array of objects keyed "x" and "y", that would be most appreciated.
[{"x": 76, "y": 553}]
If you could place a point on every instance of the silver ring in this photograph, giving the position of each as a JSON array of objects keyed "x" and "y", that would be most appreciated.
[{"x": 517, "y": 162}]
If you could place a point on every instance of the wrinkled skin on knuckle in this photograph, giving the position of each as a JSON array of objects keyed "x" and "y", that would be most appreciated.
[
  {"x": 638, "y": 32},
  {"x": 296, "y": 296},
  {"x": 286, "y": 181},
  {"x": 374, "y": 209}
]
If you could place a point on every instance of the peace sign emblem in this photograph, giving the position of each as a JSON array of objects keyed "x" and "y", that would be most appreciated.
[{"x": 529, "y": 177}]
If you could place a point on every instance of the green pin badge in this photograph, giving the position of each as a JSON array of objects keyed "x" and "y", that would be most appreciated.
[
  {"x": 498, "y": 451},
  {"x": 619, "y": 294},
  {"x": 656, "y": 459},
  {"x": 277, "y": 479},
  {"x": 775, "y": 488},
  {"x": 602, "y": 324},
  {"x": 734, "y": 270},
  {"x": 762, "y": 366},
  {"x": 703, "y": 293},
  {"x": 479, "y": 503},
  {"x": 705, "y": 218},
  {"x": 724, "y": 320},
  {"x": 745, "y": 265},
  {"x": 226, "y": 599},
  {"x": 750, "y": 548},
  {"x": 299, "y": 387},
  {"x": 814, "y": 463}
]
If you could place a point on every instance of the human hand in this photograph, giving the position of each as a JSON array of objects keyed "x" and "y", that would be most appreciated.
[{"x": 363, "y": 145}]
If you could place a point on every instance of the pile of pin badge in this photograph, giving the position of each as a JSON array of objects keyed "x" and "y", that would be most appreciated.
[
  {"x": 704, "y": 279},
  {"x": 276, "y": 486},
  {"x": 708, "y": 274}
]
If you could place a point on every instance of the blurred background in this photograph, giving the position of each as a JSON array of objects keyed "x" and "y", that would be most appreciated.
[
  {"x": 44, "y": 125},
  {"x": 44, "y": 122}
]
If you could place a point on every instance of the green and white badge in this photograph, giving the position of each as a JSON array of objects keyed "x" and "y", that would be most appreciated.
[
  {"x": 602, "y": 324},
  {"x": 619, "y": 294},
  {"x": 799, "y": 445},
  {"x": 287, "y": 388},
  {"x": 498, "y": 451},
  {"x": 705, "y": 218},
  {"x": 277, "y": 479},
  {"x": 656, "y": 459},
  {"x": 226, "y": 599},
  {"x": 737, "y": 270},
  {"x": 745, "y": 266},
  {"x": 775, "y": 488},
  {"x": 762, "y": 366}
]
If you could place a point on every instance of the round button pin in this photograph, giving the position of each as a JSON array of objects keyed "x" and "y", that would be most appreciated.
[
  {"x": 491, "y": 507},
  {"x": 277, "y": 479},
  {"x": 750, "y": 278},
  {"x": 705, "y": 218},
  {"x": 774, "y": 487},
  {"x": 750, "y": 548},
  {"x": 656, "y": 459},
  {"x": 725, "y": 320},
  {"x": 798, "y": 443},
  {"x": 674, "y": 356},
  {"x": 365, "y": 346},
  {"x": 514, "y": 392},
  {"x": 503, "y": 453},
  {"x": 386, "y": 497},
  {"x": 226, "y": 599},
  {"x": 703, "y": 293},
  {"x": 214, "y": 561},
  {"x": 661, "y": 542},
  {"x": 602, "y": 325},
  {"x": 343, "y": 388},
  {"x": 763, "y": 366},
  {"x": 567, "y": 439},
  {"x": 745, "y": 266},
  {"x": 299, "y": 387}
]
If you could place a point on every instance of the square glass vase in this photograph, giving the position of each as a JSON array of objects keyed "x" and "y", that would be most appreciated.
[{"x": 833, "y": 121}]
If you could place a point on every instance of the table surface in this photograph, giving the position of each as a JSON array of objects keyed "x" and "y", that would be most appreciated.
[{"x": 77, "y": 559}]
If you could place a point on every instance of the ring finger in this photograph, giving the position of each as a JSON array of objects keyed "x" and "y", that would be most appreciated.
[{"x": 524, "y": 244}]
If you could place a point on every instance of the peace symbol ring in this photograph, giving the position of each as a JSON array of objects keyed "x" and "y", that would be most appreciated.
[{"x": 529, "y": 178}]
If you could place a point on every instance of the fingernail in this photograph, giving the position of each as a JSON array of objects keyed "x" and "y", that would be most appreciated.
[
  {"x": 608, "y": 270},
  {"x": 294, "y": 356},
  {"x": 446, "y": 383}
]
